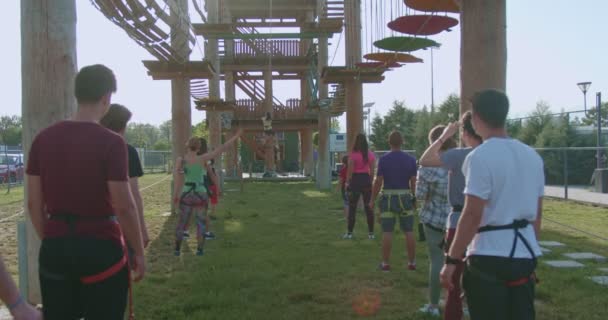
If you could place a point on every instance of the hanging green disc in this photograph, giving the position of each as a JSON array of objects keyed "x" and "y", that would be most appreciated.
[{"x": 405, "y": 44}]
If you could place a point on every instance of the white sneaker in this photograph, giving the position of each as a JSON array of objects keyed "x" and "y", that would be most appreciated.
[
  {"x": 371, "y": 236},
  {"x": 347, "y": 236},
  {"x": 430, "y": 310}
]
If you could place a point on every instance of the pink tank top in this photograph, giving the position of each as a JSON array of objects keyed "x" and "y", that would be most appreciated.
[{"x": 359, "y": 166}]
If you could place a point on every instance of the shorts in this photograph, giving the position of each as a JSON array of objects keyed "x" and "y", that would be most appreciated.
[
  {"x": 393, "y": 207},
  {"x": 214, "y": 194},
  {"x": 406, "y": 222}
]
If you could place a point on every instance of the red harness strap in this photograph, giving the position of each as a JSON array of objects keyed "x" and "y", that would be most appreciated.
[
  {"x": 105, "y": 274},
  {"x": 114, "y": 269},
  {"x": 522, "y": 281}
]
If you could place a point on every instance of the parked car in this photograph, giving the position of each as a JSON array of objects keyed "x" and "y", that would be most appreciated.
[{"x": 11, "y": 167}]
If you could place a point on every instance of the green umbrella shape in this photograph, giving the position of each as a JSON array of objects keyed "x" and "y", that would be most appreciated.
[{"x": 405, "y": 44}]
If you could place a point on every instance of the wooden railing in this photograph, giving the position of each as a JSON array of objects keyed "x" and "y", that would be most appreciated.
[
  {"x": 261, "y": 47},
  {"x": 247, "y": 109}
]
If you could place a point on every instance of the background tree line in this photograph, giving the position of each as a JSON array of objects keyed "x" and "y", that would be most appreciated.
[
  {"x": 540, "y": 129},
  {"x": 140, "y": 135}
]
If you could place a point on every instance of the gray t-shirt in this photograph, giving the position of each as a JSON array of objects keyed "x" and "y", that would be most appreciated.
[{"x": 453, "y": 160}]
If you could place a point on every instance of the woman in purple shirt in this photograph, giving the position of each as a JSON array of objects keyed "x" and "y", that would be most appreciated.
[{"x": 359, "y": 183}]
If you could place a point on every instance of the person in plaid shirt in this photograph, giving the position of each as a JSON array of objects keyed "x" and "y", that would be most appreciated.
[{"x": 432, "y": 192}]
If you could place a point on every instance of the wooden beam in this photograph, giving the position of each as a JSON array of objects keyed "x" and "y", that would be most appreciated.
[
  {"x": 277, "y": 125},
  {"x": 302, "y": 35}
]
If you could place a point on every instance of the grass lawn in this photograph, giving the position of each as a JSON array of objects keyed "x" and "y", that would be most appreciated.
[
  {"x": 279, "y": 255},
  {"x": 10, "y": 197}
]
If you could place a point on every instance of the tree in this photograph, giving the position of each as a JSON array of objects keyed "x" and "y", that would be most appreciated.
[
  {"x": 142, "y": 135},
  {"x": 166, "y": 129},
  {"x": 398, "y": 118},
  {"x": 200, "y": 130},
  {"x": 334, "y": 125},
  {"x": 590, "y": 119},
  {"x": 533, "y": 126},
  {"x": 10, "y": 130}
]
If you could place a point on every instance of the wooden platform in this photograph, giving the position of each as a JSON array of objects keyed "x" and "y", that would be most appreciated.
[
  {"x": 260, "y": 63},
  {"x": 162, "y": 70},
  {"x": 344, "y": 74},
  {"x": 277, "y": 125}
]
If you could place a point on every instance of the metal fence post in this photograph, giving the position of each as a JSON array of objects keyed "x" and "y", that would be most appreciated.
[
  {"x": 566, "y": 174},
  {"x": 600, "y": 162}
]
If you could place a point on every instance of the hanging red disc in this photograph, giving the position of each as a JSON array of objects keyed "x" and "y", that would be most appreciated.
[
  {"x": 434, "y": 5},
  {"x": 422, "y": 25},
  {"x": 377, "y": 64}
]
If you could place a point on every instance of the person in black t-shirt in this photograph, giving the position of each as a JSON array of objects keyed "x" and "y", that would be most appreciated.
[{"x": 116, "y": 119}]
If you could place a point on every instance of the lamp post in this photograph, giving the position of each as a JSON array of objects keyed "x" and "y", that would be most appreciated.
[
  {"x": 584, "y": 86},
  {"x": 367, "y": 116}
]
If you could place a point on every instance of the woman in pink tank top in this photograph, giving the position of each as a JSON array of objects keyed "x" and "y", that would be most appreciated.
[{"x": 361, "y": 163}]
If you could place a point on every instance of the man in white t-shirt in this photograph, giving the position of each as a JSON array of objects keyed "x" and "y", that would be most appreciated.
[{"x": 501, "y": 218}]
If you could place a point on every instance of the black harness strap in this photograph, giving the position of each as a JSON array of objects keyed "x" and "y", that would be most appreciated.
[{"x": 516, "y": 226}]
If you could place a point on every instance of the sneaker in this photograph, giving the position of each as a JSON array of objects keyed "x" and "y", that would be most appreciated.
[
  {"x": 200, "y": 252},
  {"x": 209, "y": 235},
  {"x": 177, "y": 253},
  {"x": 186, "y": 235},
  {"x": 384, "y": 267},
  {"x": 371, "y": 236},
  {"x": 411, "y": 266},
  {"x": 430, "y": 310},
  {"x": 347, "y": 236}
]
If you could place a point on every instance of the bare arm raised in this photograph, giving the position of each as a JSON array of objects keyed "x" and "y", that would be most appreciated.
[
  {"x": 431, "y": 157},
  {"x": 219, "y": 150}
]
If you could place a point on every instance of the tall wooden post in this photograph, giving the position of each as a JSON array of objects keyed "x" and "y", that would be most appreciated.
[
  {"x": 48, "y": 68},
  {"x": 483, "y": 47},
  {"x": 230, "y": 90},
  {"x": 324, "y": 170},
  {"x": 307, "y": 150},
  {"x": 268, "y": 107},
  {"x": 181, "y": 113},
  {"x": 215, "y": 126},
  {"x": 354, "y": 87}
]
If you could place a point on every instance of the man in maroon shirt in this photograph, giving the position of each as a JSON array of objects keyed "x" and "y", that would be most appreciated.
[{"x": 79, "y": 201}]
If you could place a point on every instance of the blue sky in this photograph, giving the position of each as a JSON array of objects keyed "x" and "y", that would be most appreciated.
[{"x": 552, "y": 45}]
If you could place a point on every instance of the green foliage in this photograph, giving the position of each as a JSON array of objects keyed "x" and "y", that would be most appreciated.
[
  {"x": 142, "y": 135},
  {"x": 334, "y": 125},
  {"x": 414, "y": 125},
  {"x": 590, "y": 118},
  {"x": 533, "y": 126},
  {"x": 10, "y": 130},
  {"x": 200, "y": 130}
]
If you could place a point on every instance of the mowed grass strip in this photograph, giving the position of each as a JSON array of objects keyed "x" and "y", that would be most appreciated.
[{"x": 279, "y": 255}]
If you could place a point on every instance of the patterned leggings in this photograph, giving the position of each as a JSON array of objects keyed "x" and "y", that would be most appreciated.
[{"x": 196, "y": 204}]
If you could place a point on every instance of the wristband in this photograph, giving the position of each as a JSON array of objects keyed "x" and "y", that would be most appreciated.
[
  {"x": 450, "y": 260},
  {"x": 15, "y": 304}
]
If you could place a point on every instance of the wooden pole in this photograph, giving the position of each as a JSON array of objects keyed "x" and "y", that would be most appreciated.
[
  {"x": 181, "y": 114},
  {"x": 324, "y": 170},
  {"x": 215, "y": 127},
  {"x": 483, "y": 51},
  {"x": 307, "y": 150},
  {"x": 268, "y": 107},
  {"x": 354, "y": 87},
  {"x": 48, "y": 68}
]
